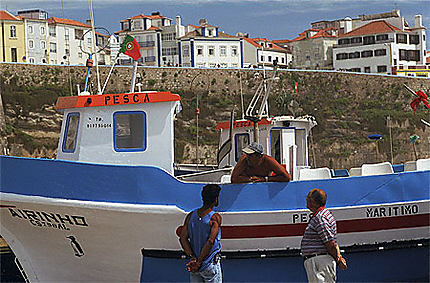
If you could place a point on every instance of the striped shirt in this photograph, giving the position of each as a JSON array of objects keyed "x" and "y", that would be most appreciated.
[{"x": 320, "y": 230}]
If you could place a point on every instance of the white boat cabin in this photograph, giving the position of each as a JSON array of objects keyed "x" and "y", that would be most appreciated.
[
  {"x": 129, "y": 128},
  {"x": 285, "y": 138}
]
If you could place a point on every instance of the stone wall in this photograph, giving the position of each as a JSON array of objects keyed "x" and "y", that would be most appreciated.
[{"x": 348, "y": 107}]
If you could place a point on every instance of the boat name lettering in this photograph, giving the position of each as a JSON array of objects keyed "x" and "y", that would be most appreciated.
[
  {"x": 125, "y": 99},
  {"x": 392, "y": 210},
  {"x": 301, "y": 217},
  {"x": 48, "y": 219}
]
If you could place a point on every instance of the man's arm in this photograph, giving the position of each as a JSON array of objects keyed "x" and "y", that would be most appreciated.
[
  {"x": 215, "y": 224},
  {"x": 333, "y": 249},
  {"x": 183, "y": 238},
  {"x": 281, "y": 174},
  {"x": 238, "y": 175}
]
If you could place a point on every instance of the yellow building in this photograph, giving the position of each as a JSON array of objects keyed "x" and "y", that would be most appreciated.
[{"x": 12, "y": 38}]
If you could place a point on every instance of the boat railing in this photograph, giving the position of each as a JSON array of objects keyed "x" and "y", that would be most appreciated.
[{"x": 206, "y": 176}]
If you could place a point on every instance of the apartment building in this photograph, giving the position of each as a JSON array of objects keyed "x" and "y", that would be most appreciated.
[
  {"x": 263, "y": 53},
  {"x": 157, "y": 37},
  {"x": 12, "y": 38},
  {"x": 70, "y": 41},
  {"x": 381, "y": 46},
  {"x": 36, "y": 35},
  {"x": 312, "y": 49},
  {"x": 205, "y": 46}
]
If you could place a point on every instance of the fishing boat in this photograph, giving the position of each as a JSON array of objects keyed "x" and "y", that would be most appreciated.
[{"x": 111, "y": 206}]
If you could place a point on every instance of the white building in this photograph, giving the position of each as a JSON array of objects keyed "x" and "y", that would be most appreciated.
[
  {"x": 312, "y": 49},
  {"x": 380, "y": 46},
  {"x": 206, "y": 47},
  {"x": 157, "y": 37},
  {"x": 262, "y": 53},
  {"x": 36, "y": 35},
  {"x": 70, "y": 41}
]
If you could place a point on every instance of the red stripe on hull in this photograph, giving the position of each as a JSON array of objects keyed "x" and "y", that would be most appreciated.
[{"x": 343, "y": 226}]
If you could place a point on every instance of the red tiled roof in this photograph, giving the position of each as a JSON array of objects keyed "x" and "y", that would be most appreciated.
[
  {"x": 154, "y": 28},
  {"x": 319, "y": 33},
  {"x": 254, "y": 42},
  {"x": 152, "y": 17},
  {"x": 55, "y": 20},
  {"x": 196, "y": 33},
  {"x": 374, "y": 27},
  {"x": 6, "y": 16},
  {"x": 281, "y": 41}
]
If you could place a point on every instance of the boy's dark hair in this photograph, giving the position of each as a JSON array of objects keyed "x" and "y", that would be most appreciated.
[
  {"x": 319, "y": 196},
  {"x": 209, "y": 193}
]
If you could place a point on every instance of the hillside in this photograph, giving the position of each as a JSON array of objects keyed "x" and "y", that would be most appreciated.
[{"x": 348, "y": 107}]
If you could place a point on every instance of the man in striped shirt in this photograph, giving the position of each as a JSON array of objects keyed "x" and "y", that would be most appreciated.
[{"x": 319, "y": 248}]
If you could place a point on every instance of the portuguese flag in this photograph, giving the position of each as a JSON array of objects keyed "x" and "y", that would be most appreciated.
[{"x": 130, "y": 47}]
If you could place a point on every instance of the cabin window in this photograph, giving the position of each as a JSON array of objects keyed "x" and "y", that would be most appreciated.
[
  {"x": 130, "y": 131},
  {"x": 275, "y": 141},
  {"x": 301, "y": 147},
  {"x": 71, "y": 132},
  {"x": 241, "y": 141}
]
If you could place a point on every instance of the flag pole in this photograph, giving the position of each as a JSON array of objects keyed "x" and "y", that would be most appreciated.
[{"x": 133, "y": 78}]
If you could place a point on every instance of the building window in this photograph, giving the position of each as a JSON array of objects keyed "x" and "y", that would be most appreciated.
[
  {"x": 71, "y": 133},
  {"x": 354, "y": 55},
  {"x": 414, "y": 39},
  {"x": 201, "y": 65},
  {"x": 31, "y": 44},
  {"x": 223, "y": 65},
  {"x": 269, "y": 59},
  {"x": 31, "y": 60},
  {"x": 223, "y": 50},
  {"x": 67, "y": 51},
  {"x": 344, "y": 41},
  {"x": 356, "y": 40},
  {"x": 283, "y": 60},
  {"x": 211, "y": 50},
  {"x": 382, "y": 69},
  {"x": 79, "y": 34},
  {"x": 262, "y": 58},
  {"x": 210, "y": 32},
  {"x": 341, "y": 56},
  {"x": 212, "y": 65},
  {"x": 401, "y": 38},
  {"x": 367, "y": 53},
  {"x": 53, "y": 47},
  {"x": 130, "y": 131},
  {"x": 66, "y": 34},
  {"x": 52, "y": 32},
  {"x": 30, "y": 29},
  {"x": 14, "y": 54},
  {"x": 43, "y": 44},
  {"x": 367, "y": 69},
  {"x": 234, "y": 51},
  {"x": 357, "y": 70},
  {"x": 381, "y": 37},
  {"x": 380, "y": 52},
  {"x": 80, "y": 54},
  {"x": 12, "y": 30},
  {"x": 89, "y": 40},
  {"x": 42, "y": 30},
  {"x": 369, "y": 40},
  {"x": 409, "y": 55},
  {"x": 186, "y": 51},
  {"x": 200, "y": 50}
]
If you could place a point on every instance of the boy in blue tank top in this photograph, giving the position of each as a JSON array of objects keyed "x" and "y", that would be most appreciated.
[{"x": 201, "y": 238}]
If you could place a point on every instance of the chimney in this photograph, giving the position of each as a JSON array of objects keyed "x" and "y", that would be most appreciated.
[
  {"x": 202, "y": 22},
  {"x": 88, "y": 22},
  {"x": 418, "y": 21},
  {"x": 348, "y": 25},
  {"x": 155, "y": 13},
  {"x": 178, "y": 20}
]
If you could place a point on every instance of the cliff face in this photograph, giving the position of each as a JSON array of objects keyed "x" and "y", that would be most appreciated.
[{"x": 348, "y": 107}]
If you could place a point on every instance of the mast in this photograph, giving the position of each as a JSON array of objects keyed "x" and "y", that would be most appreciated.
[{"x": 93, "y": 45}]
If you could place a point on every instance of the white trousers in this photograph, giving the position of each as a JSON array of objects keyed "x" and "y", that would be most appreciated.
[{"x": 321, "y": 268}]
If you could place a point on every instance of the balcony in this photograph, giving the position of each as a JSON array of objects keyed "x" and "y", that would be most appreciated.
[
  {"x": 147, "y": 44},
  {"x": 390, "y": 40},
  {"x": 149, "y": 59}
]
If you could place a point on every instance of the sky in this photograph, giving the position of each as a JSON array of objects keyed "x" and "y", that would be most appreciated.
[{"x": 274, "y": 19}]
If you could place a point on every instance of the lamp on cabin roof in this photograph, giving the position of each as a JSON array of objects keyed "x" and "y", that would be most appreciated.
[{"x": 375, "y": 138}]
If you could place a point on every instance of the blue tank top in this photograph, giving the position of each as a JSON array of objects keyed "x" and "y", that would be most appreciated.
[{"x": 199, "y": 231}]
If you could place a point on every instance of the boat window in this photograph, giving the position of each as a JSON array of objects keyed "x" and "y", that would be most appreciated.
[
  {"x": 301, "y": 147},
  {"x": 275, "y": 141},
  {"x": 71, "y": 132},
  {"x": 240, "y": 141},
  {"x": 130, "y": 131}
]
